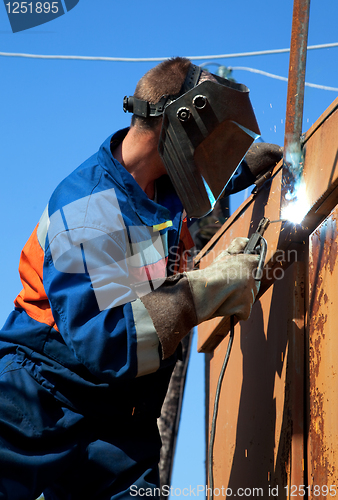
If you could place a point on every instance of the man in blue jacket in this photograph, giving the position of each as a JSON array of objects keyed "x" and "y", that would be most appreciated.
[{"x": 87, "y": 353}]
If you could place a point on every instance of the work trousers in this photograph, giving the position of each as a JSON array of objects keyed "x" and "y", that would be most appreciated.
[{"x": 48, "y": 447}]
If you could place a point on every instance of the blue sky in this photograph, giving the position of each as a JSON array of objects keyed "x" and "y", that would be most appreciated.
[{"x": 55, "y": 114}]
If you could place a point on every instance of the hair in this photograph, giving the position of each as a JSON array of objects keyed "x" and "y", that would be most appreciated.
[{"x": 166, "y": 78}]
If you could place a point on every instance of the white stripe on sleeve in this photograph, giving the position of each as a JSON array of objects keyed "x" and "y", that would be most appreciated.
[{"x": 148, "y": 356}]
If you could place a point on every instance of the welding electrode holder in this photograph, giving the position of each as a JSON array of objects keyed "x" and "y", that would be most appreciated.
[{"x": 258, "y": 245}]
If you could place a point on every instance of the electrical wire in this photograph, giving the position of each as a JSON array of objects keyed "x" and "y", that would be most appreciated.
[
  {"x": 159, "y": 59},
  {"x": 216, "y": 405},
  {"x": 277, "y": 77},
  {"x": 229, "y": 69}
]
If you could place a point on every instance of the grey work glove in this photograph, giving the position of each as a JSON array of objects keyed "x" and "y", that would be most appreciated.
[
  {"x": 226, "y": 287},
  {"x": 262, "y": 157}
]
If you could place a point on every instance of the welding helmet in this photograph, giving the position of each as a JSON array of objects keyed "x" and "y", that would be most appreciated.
[{"x": 206, "y": 132}]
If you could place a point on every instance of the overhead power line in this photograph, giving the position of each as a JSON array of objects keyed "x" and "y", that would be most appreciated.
[
  {"x": 158, "y": 59},
  {"x": 283, "y": 78}
]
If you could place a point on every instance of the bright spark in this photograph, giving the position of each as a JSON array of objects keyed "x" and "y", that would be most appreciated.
[{"x": 298, "y": 205}]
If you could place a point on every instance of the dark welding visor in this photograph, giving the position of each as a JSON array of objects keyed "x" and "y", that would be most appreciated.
[{"x": 205, "y": 134}]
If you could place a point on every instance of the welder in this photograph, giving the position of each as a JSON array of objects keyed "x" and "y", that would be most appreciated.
[{"x": 87, "y": 353}]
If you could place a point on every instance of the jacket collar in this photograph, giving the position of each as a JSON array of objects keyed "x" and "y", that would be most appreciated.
[{"x": 167, "y": 206}]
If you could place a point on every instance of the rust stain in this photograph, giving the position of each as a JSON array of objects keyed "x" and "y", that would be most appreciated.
[
  {"x": 323, "y": 291},
  {"x": 319, "y": 461},
  {"x": 332, "y": 256}
]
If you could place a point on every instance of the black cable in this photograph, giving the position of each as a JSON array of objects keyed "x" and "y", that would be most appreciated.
[
  {"x": 216, "y": 403},
  {"x": 256, "y": 241}
]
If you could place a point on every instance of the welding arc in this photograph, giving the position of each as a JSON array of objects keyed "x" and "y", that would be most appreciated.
[{"x": 216, "y": 405}]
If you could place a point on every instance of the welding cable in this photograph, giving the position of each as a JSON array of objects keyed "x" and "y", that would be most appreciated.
[{"x": 216, "y": 405}]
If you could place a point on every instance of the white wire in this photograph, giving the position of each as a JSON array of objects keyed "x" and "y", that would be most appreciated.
[
  {"x": 276, "y": 77},
  {"x": 158, "y": 59}
]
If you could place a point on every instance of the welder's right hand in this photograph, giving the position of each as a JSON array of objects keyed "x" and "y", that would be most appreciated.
[{"x": 227, "y": 287}]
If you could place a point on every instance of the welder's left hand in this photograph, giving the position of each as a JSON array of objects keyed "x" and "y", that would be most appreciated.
[{"x": 262, "y": 157}]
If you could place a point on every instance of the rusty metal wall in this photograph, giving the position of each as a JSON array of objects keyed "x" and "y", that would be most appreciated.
[
  {"x": 276, "y": 427},
  {"x": 260, "y": 419},
  {"x": 322, "y": 341}
]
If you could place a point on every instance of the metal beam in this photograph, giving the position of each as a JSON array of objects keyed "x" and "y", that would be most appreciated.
[{"x": 292, "y": 166}]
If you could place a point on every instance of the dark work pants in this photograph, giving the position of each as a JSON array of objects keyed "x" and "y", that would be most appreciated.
[{"x": 47, "y": 447}]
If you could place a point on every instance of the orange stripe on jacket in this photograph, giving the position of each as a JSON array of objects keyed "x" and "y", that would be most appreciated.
[
  {"x": 33, "y": 298},
  {"x": 185, "y": 245}
]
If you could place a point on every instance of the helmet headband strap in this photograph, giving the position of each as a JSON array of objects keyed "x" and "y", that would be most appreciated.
[{"x": 146, "y": 109}]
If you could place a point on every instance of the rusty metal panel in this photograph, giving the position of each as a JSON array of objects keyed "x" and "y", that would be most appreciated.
[
  {"x": 323, "y": 358},
  {"x": 260, "y": 432},
  {"x": 260, "y": 419},
  {"x": 321, "y": 163}
]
